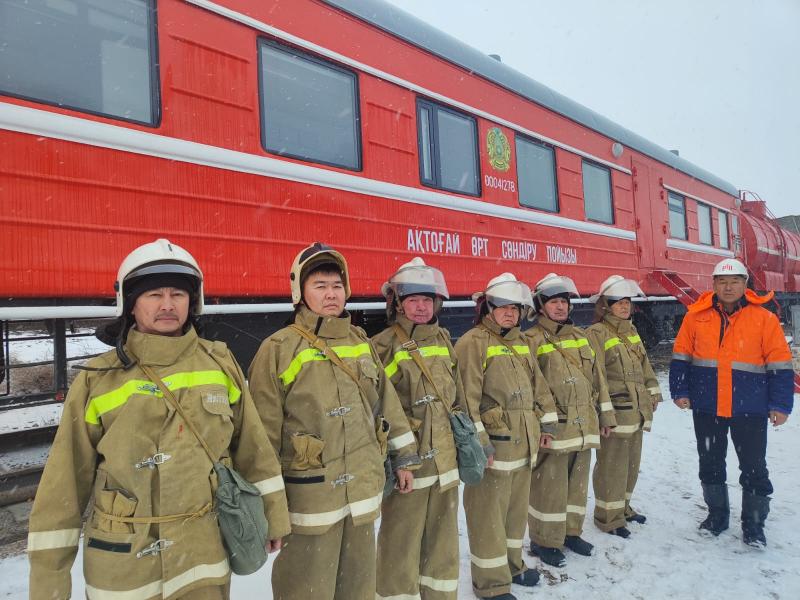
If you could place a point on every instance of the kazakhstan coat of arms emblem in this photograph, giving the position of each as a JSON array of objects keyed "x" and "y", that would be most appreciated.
[{"x": 499, "y": 149}]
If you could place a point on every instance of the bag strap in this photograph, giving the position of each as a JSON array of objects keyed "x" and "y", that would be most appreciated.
[
  {"x": 514, "y": 351},
  {"x": 170, "y": 398},
  {"x": 320, "y": 345},
  {"x": 412, "y": 348},
  {"x": 566, "y": 356}
]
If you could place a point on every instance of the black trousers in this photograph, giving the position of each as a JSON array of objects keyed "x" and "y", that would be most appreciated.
[{"x": 749, "y": 435}]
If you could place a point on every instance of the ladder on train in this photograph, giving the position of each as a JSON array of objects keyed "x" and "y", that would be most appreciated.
[{"x": 686, "y": 294}]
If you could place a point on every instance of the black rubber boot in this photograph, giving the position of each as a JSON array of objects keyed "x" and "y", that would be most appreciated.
[
  {"x": 500, "y": 597},
  {"x": 719, "y": 509},
  {"x": 622, "y": 532},
  {"x": 754, "y": 512},
  {"x": 578, "y": 545},
  {"x": 551, "y": 556},
  {"x": 528, "y": 578},
  {"x": 635, "y": 517}
]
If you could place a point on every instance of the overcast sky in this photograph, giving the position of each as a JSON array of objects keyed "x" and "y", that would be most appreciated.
[{"x": 718, "y": 80}]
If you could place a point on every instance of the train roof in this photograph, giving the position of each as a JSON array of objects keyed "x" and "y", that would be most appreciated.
[{"x": 401, "y": 24}]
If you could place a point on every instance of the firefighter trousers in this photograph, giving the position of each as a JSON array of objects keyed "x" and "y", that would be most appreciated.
[
  {"x": 495, "y": 510},
  {"x": 336, "y": 565},
  {"x": 559, "y": 486},
  {"x": 418, "y": 545},
  {"x": 212, "y": 592},
  {"x": 614, "y": 477}
]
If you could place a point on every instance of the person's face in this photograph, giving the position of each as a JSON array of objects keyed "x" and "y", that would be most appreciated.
[
  {"x": 622, "y": 308},
  {"x": 162, "y": 311},
  {"x": 324, "y": 293},
  {"x": 506, "y": 316},
  {"x": 557, "y": 309},
  {"x": 418, "y": 309},
  {"x": 729, "y": 288}
]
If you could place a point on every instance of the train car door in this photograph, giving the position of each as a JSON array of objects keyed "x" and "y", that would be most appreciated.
[{"x": 648, "y": 220}]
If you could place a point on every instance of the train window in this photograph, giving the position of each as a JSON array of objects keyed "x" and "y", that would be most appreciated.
[
  {"x": 309, "y": 108},
  {"x": 448, "y": 149},
  {"x": 723, "y": 229},
  {"x": 597, "y": 201},
  {"x": 536, "y": 173},
  {"x": 704, "y": 224},
  {"x": 95, "y": 56},
  {"x": 677, "y": 216}
]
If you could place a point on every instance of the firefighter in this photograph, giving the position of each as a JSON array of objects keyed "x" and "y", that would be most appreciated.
[
  {"x": 635, "y": 394},
  {"x": 418, "y": 537},
  {"x": 732, "y": 366},
  {"x": 516, "y": 415},
  {"x": 330, "y": 413},
  {"x": 151, "y": 531},
  {"x": 561, "y": 474}
]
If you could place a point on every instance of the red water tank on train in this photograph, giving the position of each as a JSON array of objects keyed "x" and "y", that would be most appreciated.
[{"x": 771, "y": 252}]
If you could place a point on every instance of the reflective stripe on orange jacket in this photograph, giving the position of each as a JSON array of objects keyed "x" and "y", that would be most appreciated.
[{"x": 731, "y": 365}]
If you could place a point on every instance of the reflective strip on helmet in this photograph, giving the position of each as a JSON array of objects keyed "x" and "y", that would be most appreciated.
[
  {"x": 579, "y": 343},
  {"x": 107, "y": 402},
  {"x": 425, "y": 352},
  {"x": 493, "y": 351},
  {"x": 312, "y": 354}
]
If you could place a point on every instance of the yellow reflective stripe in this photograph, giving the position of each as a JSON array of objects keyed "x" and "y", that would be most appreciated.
[
  {"x": 307, "y": 355},
  {"x": 493, "y": 351},
  {"x": 425, "y": 352},
  {"x": 579, "y": 343},
  {"x": 107, "y": 402},
  {"x": 615, "y": 341},
  {"x": 634, "y": 339},
  {"x": 312, "y": 354}
]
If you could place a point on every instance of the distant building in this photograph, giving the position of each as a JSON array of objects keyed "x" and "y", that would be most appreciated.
[{"x": 790, "y": 223}]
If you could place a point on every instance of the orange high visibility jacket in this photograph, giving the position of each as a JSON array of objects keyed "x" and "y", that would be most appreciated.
[{"x": 732, "y": 365}]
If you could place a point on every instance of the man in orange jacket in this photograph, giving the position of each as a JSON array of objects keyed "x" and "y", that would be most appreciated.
[{"x": 732, "y": 366}]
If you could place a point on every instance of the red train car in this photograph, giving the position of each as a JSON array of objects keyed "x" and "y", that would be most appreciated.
[{"x": 243, "y": 130}]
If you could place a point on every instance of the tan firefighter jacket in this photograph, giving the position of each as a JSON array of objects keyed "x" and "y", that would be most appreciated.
[
  {"x": 576, "y": 381},
  {"x": 632, "y": 385},
  {"x": 121, "y": 443},
  {"x": 429, "y": 418},
  {"x": 511, "y": 399},
  {"x": 323, "y": 427}
]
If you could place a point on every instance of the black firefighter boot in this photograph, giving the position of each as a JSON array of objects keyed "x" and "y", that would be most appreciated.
[
  {"x": 719, "y": 509},
  {"x": 754, "y": 512}
]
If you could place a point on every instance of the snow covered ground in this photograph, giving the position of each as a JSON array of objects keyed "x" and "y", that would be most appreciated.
[{"x": 665, "y": 558}]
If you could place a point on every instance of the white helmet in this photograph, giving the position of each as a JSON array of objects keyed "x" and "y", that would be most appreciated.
[
  {"x": 415, "y": 277},
  {"x": 617, "y": 287},
  {"x": 505, "y": 289},
  {"x": 314, "y": 255},
  {"x": 730, "y": 266},
  {"x": 161, "y": 257},
  {"x": 553, "y": 285}
]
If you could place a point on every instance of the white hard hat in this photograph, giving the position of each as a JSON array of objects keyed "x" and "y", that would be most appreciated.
[
  {"x": 617, "y": 287},
  {"x": 314, "y": 255},
  {"x": 505, "y": 289},
  {"x": 415, "y": 277},
  {"x": 161, "y": 257},
  {"x": 730, "y": 266},
  {"x": 553, "y": 285}
]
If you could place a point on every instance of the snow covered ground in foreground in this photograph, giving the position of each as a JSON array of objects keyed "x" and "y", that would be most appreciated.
[{"x": 665, "y": 558}]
